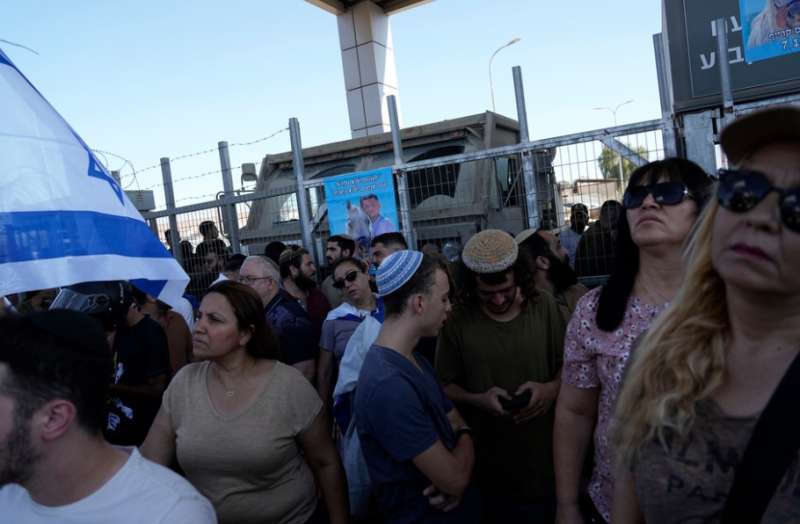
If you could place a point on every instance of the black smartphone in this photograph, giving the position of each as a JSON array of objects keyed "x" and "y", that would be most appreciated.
[{"x": 516, "y": 402}]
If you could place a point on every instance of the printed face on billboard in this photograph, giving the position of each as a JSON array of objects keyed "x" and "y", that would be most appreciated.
[
  {"x": 770, "y": 28},
  {"x": 763, "y": 41},
  {"x": 362, "y": 205}
]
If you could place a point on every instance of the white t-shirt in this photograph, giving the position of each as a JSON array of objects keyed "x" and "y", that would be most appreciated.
[{"x": 140, "y": 492}]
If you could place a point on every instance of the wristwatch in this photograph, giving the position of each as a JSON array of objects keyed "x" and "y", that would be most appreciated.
[{"x": 464, "y": 430}]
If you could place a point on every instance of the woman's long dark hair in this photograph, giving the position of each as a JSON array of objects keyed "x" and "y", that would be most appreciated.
[{"x": 617, "y": 291}]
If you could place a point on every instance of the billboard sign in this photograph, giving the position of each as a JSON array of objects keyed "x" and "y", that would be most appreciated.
[
  {"x": 690, "y": 36},
  {"x": 770, "y": 28},
  {"x": 362, "y": 205}
]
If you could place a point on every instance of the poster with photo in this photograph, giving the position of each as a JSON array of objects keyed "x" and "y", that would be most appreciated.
[
  {"x": 770, "y": 28},
  {"x": 362, "y": 205}
]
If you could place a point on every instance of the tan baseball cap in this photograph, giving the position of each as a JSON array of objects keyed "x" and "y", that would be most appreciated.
[{"x": 758, "y": 129}]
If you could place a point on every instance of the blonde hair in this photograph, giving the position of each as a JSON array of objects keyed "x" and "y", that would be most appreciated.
[{"x": 681, "y": 359}]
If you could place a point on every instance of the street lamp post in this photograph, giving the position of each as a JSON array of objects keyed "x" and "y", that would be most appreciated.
[
  {"x": 491, "y": 85},
  {"x": 614, "y": 113}
]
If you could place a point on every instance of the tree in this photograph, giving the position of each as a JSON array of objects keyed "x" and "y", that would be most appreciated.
[{"x": 609, "y": 163}]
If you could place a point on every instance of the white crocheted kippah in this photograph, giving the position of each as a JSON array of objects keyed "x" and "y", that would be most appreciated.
[{"x": 490, "y": 251}]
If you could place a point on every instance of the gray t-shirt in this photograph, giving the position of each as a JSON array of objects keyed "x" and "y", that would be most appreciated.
[
  {"x": 690, "y": 480},
  {"x": 339, "y": 326}
]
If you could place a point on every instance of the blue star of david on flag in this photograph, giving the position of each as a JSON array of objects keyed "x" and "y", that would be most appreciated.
[
  {"x": 98, "y": 172},
  {"x": 59, "y": 223}
]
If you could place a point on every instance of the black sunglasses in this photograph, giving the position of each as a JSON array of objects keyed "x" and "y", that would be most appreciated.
[
  {"x": 740, "y": 190},
  {"x": 664, "y": 193},
  {"x": 350, "y": 277}
]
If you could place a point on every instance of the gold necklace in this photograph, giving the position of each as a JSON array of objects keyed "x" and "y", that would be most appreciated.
[{"x": 229, "y": 392}]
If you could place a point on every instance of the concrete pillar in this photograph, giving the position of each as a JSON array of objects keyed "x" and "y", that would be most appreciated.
[{"x": 370, "y": 74}]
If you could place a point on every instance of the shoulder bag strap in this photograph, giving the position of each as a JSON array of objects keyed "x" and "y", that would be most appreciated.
[{"x": 771, "y": 450}]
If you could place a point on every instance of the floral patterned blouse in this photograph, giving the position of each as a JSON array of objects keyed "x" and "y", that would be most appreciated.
[{"x": 594, "y": 358}]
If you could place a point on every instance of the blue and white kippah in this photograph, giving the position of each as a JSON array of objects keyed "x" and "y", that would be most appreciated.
[{"x": 396, "y": 270}]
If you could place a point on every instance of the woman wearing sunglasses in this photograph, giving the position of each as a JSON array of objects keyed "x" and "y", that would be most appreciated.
[
  {"x": 702, "y": 376},
  {"x": 351, "y": 279},
  {"x": 662, "y": 202}
]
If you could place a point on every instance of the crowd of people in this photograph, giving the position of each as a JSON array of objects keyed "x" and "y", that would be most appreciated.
[{"x": 409, "y": 387}]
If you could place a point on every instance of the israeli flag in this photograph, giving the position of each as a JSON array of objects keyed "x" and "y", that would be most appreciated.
[{"x": 63, "y": 218}]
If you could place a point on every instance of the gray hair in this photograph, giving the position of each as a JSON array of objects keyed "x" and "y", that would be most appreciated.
[{"x": 270, "y": 269}]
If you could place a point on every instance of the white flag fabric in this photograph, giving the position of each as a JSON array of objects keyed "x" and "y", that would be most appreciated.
[{"x": 63, "y": 218}]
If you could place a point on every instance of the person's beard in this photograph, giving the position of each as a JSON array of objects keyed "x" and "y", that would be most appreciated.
[
  {"x": 498, "y": 309},
  {"x": 501, "y": 309},
  {"x": 17, "y": 456},
  {"x": 578, "y": 225},
  {"x": 305, "y": 283}
]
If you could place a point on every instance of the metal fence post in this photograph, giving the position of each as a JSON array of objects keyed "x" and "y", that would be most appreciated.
[
  {"x": 528, "y": 175},
  {"x": 726, "y": 86},
  {"x": 668, "y": 134},
  {"x": 299, "y": 176},
  {"x": 229, "y": 215},
  {"x": 402, "y": 180},
  {"x": 169, "y": 197},
  {"x": 724, "y": 66}
]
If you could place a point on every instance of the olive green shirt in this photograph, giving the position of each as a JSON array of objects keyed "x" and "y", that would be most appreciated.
[
  {"x": 476, "y": 353},
  {"x": 569, "y": 299}
]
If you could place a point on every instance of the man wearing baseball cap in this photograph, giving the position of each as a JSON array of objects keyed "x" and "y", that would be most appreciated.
[
  {"x": 418, "y": 449},
  {"x": 499, "y": 358}
]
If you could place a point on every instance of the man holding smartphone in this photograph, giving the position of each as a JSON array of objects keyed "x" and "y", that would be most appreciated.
[{"x": 499, "y": 358}]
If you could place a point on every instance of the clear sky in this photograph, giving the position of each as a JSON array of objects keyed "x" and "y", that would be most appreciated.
[{"x": 146, "y": 79}]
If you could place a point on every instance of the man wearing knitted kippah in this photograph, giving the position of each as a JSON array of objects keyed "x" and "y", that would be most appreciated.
[
  {"x": 499, "y": 358},
  {"x": 418, "y": 449}
]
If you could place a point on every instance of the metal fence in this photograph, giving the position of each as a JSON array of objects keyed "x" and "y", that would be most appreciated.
[
  {"x": 445, "y": 200},
  {"x": 450, "y": 198},
  {"x": 202, "y": 259}
]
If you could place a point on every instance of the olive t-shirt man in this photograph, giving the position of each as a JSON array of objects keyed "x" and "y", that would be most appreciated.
[{"x": 477, "y": 353}]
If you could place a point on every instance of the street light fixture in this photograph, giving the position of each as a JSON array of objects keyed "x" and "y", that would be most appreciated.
[
  {"x": 491, "y": 85},
  {"x": 614, "y": 113}
]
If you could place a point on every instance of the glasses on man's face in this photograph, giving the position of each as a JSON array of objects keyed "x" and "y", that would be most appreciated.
[
  {"x": 740, "y": 190},
  {"x": 349, "y": 277},
  {"x": 247, "y": 279}
]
